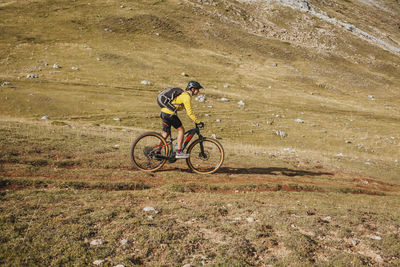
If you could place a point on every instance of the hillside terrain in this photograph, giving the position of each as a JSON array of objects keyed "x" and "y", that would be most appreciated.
[{"x": 303, "y": 95}]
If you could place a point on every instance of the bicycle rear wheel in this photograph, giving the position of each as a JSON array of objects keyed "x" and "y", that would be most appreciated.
[
  {"x": 208, "y": 161},
  {"x": 149, "y": 152}
]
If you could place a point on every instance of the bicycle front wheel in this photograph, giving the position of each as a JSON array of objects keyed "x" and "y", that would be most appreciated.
[
  {"x": 207, "y": 160},
  {"x": 149, "y": 151}
]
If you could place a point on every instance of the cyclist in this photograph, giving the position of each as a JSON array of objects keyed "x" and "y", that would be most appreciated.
[{"x": 170, "y": 117}]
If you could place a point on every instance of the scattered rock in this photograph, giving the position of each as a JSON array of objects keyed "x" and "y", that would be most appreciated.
[
  {"x": 98, "y": 59},
  {"x": 56, "y": 66},
  {"x": 122, "y": 6},
  {"x": 226, "y": 85},
  {"x": 376, "y": 237},
  {"x": 148, "y": 208},
  {"x": 107, "y": 29},
  {"x": 274, "y": 64},
  {"x": 45, "y": 118},
  {"x": 214, "y": 136},
  {"x": 75, "y": 68},
  {"x": 278, "y": 115},
  {"x": 96, "y": 242},
  {"x": 289, "y": 150},
  {"x": 327, "y": 218},
  {"x": 280, "y": 133},
  {"x": 145, "y": 82},
  {"x": 116, "y": 146},
  {"x": 241, "y": 103},
  {"x": 299, "y": 120},
  {"x": 339, "y": 155},
  {"x": 119, "y": 265},
  {"x": 217, "y": 120},
  {"x": 223, "y": 99},
  {"x": 250, "y": 219},
  {"x": 270, "y": 122},
  {"x": 184, "y": 74},
  {"x": 201, "y": 98},
  {"x": 5, "y": 83},
  {"x": 32, "y": 76},
  {"x": 98, "y": 262},
  {"x": 124, "y": 242},
  {"x": 371, "y": 97}
]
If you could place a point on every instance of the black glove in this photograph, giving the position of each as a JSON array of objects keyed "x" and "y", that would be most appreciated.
[{"x": 200, "y": 125}]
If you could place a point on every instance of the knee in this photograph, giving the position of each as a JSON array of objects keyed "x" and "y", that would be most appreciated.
[{"x": 181, "y": 129}]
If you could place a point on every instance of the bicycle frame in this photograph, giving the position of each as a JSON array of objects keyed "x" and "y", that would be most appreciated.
[{"x": 188, "y": 136}]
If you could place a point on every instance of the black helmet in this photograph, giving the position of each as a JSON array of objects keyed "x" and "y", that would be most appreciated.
[{"x": 193, "y": 84}]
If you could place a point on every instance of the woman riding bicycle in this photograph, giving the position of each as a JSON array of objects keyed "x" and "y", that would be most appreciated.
[{"x": 169, "y": 117}]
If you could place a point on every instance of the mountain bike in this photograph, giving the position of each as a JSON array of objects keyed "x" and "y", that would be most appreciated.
[{"x": 150, "y": 151}]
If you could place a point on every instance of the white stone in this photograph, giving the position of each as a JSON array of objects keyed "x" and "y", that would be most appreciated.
[
  {"x": 56, "y": 66},
  {"x": 96, "y": 242},
  {"x": 376, "y": 237},
  {"x": 339, "y": 155},
  {"x": 299, "y": 121},
  {"x": 184, "y": 74},
  {"x": 371, "y": 97},
  {"x": 32, "y": 76},
  {"x": 124, "y": 242},
  {"x": 241, "y": 103},
  {"x": 226, "y": 85},
  {"x": 45, "y": 118},
  {"x": 217, "y": 120},
  {"x": 250, "y": 219},
  {"x": 117, "y": 119},
  {"x": 119, "y": 265},
  {"x": 148, "y": 208},
  {"x": 214, "y": 136},
  {"x": 289, "y": 149},
  {"x": 200, "y": 98},
  {"x": 75, "y": 68},
  {"x": 224, "y": 99},
  {"x": 280, "y": 133},
  {"x": 145, "y": 82},
  {"x": 98, "y": 262}
]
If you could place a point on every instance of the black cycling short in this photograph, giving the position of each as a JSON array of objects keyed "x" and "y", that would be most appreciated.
[{"x": 168, "y": 120}]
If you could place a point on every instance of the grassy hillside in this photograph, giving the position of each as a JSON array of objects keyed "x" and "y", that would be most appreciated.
[{"x": 335, "y": 95}]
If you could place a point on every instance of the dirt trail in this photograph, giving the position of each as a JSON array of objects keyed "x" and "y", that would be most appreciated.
[{"x": 228, "y": 180}]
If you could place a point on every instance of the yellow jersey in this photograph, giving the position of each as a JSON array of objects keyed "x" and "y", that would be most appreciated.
[{"x": 180, "y": 102}]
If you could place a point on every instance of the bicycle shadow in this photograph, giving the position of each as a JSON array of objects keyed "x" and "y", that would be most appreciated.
[{"x": 271, "y": 171}]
